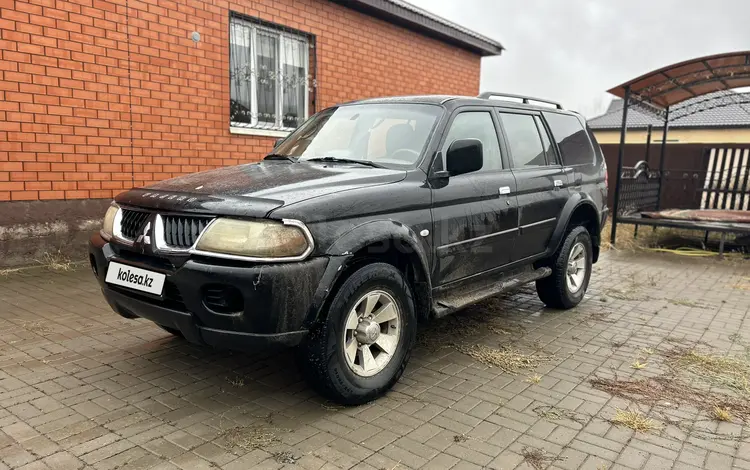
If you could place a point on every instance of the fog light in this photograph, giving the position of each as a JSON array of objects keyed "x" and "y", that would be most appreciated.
[{"x": 223, "y": 299}]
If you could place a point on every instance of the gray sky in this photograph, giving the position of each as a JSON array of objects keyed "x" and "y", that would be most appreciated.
[{"x": 573, "y": 51}]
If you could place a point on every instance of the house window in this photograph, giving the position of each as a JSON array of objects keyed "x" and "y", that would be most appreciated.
[{"x": 269, "y": 75}]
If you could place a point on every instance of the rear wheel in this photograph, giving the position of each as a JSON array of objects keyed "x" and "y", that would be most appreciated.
[
  {"x": 363, "y": 346},
  {"x": 571, "y": 271}
]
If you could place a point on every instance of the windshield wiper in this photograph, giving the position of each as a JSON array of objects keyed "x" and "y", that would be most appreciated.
[
  {"x": 344, "y": 160},
  {"x": 276, "y": 156}
]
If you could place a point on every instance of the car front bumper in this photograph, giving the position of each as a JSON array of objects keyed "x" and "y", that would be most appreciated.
[{"x": 277, "y": 299}]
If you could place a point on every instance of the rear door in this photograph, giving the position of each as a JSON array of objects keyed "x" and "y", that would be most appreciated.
[
  {"x": 476, "y": 214},
  {"x": 581, "y": 155},
  {"x": 541, "y": 181}
]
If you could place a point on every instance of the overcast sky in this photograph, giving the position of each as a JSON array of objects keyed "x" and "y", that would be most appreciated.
[{"x": 573, "y": 51}]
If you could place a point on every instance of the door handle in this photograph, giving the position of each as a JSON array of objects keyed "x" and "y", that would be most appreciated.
[
  {"x": 558, "y": 184},
  {"x": 505, "y": 190}
]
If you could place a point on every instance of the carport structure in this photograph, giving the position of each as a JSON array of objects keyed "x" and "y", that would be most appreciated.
[{"x": 724, "y": 189}]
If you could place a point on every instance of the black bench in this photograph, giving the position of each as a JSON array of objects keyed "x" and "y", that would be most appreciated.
[{"x": 640, "y": 192}]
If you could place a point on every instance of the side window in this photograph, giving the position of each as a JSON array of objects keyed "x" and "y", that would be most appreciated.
[
  {"x": 571, "y": 138},
  {"x": 477, "y": 125},
  {"x": 551, "y": 155},
  {"x": 524, "y": 140}
]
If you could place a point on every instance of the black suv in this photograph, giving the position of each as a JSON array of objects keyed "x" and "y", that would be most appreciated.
[{"x": 369, "y": 218}]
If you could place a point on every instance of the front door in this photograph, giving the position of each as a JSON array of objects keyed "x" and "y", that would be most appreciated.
[
  {"x": 475, "y": 215},
  {"x": 541, "y": 180}
]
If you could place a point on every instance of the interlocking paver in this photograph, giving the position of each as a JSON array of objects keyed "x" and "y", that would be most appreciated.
[{"x": 81, "y": 387}]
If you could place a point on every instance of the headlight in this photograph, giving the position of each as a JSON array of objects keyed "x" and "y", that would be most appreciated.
[
  {"x": 255, "y": 239},
  {"x": 109, "y": 222}
]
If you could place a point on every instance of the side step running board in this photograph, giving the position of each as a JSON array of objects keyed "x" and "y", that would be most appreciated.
[{"x": 463, "y": 298}]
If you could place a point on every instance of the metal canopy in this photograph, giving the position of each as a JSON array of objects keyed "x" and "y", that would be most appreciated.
[
  {"x": 676, "y": 83},
  {"x": 660, "y": 91}
]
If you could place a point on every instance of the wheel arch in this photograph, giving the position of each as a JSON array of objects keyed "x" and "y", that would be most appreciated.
[
  {"x": 381, "y": 241},
  {"x": 579, "y": 210}
]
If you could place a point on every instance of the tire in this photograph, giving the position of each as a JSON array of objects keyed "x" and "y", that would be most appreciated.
[
  {"x": 322, "y": 357},
  {"x": 173, "y": 331},
  {"x": 556, "y": 291}
]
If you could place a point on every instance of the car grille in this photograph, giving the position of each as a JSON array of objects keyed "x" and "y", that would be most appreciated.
[
  {"x": 183, "y": 231},
  {"x": 132, "y": 223}
]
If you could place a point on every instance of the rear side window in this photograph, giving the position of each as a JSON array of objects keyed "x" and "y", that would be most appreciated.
[
  {"x": 571, "y": 138},
  {"x": 524, "y": 140},
  {"x": 551, "y": 156}
]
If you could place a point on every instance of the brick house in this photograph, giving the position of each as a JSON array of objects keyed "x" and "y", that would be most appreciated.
[{"x": 98, "y": 96}]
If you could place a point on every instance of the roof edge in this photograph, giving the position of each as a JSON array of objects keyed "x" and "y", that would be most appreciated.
[{"x": 421, "y": 21}]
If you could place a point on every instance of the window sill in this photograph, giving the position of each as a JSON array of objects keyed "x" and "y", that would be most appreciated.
[{"x": 258, "y": 131}]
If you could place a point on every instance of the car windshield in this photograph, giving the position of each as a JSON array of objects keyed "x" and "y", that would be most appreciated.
[{"x": 391, "y": 135}]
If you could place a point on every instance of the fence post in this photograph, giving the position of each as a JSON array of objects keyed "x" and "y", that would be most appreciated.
[
  {"x": 661, "y": 158},
  {"x": 620, "y": 156}
]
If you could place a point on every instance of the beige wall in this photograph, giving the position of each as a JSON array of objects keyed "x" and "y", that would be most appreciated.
[{"x": 678, "y": 136}]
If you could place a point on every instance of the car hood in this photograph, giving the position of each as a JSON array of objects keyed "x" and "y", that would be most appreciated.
[{"x": 254, "y": 190}]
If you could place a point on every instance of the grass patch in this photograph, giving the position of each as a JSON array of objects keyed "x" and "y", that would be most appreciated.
[
  {"x": 8, "y": 271},
  {"x": 722, "y": 414},
  {"x": 236, "y": 381},
  {"x": 285, "y": 457},
  {"x": 725, "y": 371},
  {"x": 553, "y": 413},
  {"x": 37, "y": 327},
  {"x": 249, "y": 438},
  {"x": 56, "y": 261},
  {"x": 507, "y": 359},
  {"x": 685, "y": 303},
  {"x": 534, "y": 379},
  {"x": 668, "y": 388},
  {"x": 663, "y": 237},
  {"x": 635, "y": 421},
  {"x": 538, "y": 459},
  {"x": 638, "y": 365}
]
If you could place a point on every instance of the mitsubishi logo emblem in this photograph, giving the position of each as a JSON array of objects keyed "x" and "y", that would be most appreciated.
[{"x": 145, "y": 237}]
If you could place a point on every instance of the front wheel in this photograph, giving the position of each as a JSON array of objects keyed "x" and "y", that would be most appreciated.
[
  {"x": 571, "y": 271},
  {"x": 363, "y": 346}
]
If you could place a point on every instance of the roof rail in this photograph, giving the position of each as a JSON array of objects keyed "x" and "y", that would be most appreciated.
[{"x": 524, "y": 99}]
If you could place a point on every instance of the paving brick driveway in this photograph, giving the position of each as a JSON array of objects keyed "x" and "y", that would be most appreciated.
[{"x": 82, "y": 387}]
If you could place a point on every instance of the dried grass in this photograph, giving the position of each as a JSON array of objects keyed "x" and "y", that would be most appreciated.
[
  {"x": 648, "y": 238},
  {"x": 56, "y": 261},
  {"x": 669, "y": 388},
  {"x": 638, "y": 365},
  {"x": 635, "y": 421},
  {"x": 507, "y": 359},
  {"x": 553, "y": 413},
  {"x": 8, "y": 271},
  {"x": 236, "y": 381},
  {"x": 249, "y": 438},
  {"x": 285, "y": 457},
  {"x": 534, "y": 379},
  {"x": 538, "y": 459},
  {"x": 726, "y": 371},
  {"x": 722, "y": 414}
]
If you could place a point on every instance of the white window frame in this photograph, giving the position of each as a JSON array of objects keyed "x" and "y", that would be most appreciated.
[{"x": 277, "y": 129}]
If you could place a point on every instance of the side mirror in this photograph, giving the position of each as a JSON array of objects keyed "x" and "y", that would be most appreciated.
[
  {"x": 464, "y": 156},
  {"x": 278, "y": 142}
]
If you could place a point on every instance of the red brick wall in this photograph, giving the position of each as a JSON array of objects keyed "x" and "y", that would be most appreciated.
[{"x": 70, "y": 69}]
